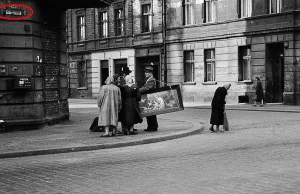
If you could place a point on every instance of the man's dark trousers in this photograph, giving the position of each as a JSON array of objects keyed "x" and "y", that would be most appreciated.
[{"x": 152, "y": 123}]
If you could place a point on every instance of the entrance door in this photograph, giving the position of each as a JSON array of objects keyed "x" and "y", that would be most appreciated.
[
  {"x": 104, "y": 72},
  {"x": 275, "y": 73}
]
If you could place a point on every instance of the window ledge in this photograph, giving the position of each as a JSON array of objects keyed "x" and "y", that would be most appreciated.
[
  {"x": 209, "y": 83},
  {"x": 245, "y": 82},
  {"x": 82, "y": 88},
  {"x": 188, "y": 83}
]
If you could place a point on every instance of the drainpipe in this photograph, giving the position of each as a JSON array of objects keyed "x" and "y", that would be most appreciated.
[{"x": 164, "y": 40}]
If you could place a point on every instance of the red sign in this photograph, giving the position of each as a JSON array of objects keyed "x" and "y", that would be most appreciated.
[{"x": 16, "y": 12}]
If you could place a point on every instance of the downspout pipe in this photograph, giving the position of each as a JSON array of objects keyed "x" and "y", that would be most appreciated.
[{"x": 164, "y": 40}]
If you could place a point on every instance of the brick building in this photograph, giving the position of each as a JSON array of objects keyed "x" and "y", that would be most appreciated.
[{"x": 199, "y": 44}]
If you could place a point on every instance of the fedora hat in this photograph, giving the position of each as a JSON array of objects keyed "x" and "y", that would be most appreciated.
[
  {"x": 149, "y": 69},
  {"x": 126, "y": 70}
]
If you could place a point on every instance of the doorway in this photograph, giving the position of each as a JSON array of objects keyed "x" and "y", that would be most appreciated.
[
  {"x": 274, "y": 72},
  {"x": 104, "y": 73},
  {"x": 141, "y": 63}
]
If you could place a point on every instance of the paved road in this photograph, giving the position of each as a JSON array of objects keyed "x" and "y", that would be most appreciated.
[{"x": 260, "y": 154}]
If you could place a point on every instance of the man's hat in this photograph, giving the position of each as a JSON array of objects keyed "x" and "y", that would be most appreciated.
[
  {"x": 126, "y": 70},
  {"x": 149, "y": 68}
]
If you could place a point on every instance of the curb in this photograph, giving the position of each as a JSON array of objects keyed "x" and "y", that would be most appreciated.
[
  {"x": 247, "y": 109},
  {"x": 196, "y": 129}
]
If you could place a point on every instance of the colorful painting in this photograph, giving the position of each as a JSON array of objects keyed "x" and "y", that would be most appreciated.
[{"x": 161, "y": 101}]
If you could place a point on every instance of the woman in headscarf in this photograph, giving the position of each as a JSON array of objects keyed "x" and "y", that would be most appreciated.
[
  {"x": 218, "y": 108},
  {"x": 130, "y": 113},
  {"x": 110, "y": 104},
  {"x": 259, "y": 92}
]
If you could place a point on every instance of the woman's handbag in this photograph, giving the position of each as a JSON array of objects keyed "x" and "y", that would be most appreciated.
[{"x": 225, "y": 124}]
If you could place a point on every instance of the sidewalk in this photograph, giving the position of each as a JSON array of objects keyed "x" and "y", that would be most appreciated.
[{"x": 74, "y": 135}]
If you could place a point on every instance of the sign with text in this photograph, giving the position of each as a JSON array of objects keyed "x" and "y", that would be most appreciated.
[{"x": 22, "y": 82}]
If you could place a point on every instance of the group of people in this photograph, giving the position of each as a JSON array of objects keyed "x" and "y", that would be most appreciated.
[
  {"x": 218, "y": 104},
  {"x": 118, "y": 101}
]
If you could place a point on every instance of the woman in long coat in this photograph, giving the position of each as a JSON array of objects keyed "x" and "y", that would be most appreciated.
[
  {"x": 110, "y": 103},
  {"x": 130, "y": 113},
  {"x": 218, "y": 108},
  {"x": 259, "y": 93}
]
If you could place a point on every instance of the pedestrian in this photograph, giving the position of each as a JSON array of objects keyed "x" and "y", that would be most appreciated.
[
  {"x": 116, "y": 80},
  {"x": 152, "y": 124},
  {"x": 109, "y": 102},
  {"x": 218, "y": 108},
  {"x": 259, "y": 92},
  {"x": 130, "y": 113}
]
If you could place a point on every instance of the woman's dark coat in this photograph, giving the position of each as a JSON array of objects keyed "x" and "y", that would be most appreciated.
[
  {"x": 130, "y": 113},
  {"x": 259, "y": 92},
  {"x": 218, "y": 105}
]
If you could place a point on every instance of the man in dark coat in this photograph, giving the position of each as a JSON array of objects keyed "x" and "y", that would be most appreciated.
[
  {"x": 218, "y": 108},
  {"x": 152, "y": 124}
]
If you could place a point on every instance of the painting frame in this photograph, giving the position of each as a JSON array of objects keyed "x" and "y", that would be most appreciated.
[{"x": 161, "y": 101}]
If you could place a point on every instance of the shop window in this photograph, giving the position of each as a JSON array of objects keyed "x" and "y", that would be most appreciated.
[
  {"x": 245, "y": 8},
  {"x": 81, "y": 28},
  {"x": 81, "y": 69},
  {"x": 189, "y": 66},
  {"x": 244, "y": 63},
  {"x": 209, "y": 65},
  {"x": 119, "y": 21},
  {"x": 188, "y": 12},
  {"x": 210, "y": 12},
  {"x": 146, "y": 18},
  {"x": 103, "y": 24}
]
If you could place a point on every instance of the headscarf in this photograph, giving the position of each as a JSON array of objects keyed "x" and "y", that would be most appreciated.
[
  {"x": 109, "y": 80},
  {"x": 227, "y": 86},
  {"x": 128, "y": 80}
]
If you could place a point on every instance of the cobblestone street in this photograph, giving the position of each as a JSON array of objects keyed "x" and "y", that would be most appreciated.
[{"x": 259, "y": 155}]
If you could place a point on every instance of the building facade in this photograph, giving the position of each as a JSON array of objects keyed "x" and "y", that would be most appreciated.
[{"x": 198, "y": 44}]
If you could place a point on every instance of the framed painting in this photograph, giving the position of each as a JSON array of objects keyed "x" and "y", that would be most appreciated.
[{"x": 161, "y": 100}]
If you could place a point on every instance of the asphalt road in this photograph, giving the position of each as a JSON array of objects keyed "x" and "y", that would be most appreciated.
[{"x": 260, "y": 154}]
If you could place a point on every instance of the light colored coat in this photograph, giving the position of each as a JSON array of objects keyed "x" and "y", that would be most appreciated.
[{"x": 110, "y": 103}]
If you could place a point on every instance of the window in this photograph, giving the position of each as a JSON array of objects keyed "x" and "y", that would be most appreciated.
[
  {"x": 245, "y": 8},
  {"x": 81, "y": 28},
  {"x": 210, "y": 11},
  {"x": 244, "y": 63},
  {"x": 188, "y": 66},
  {"x": 209, "y": 65},
  {"x": 275, "y": 6},
  {"x": 119, "y": 15},
  {"x": 81, "y": 69},
  {"x": 188, "y": 12},
  {"x": 146, "y": 18},
  {"x": 103, "y": 24}
]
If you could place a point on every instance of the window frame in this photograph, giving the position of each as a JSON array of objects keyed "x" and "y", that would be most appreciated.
[
  {"x": 188, "y": 12},
  {"x": 210, "y": 11},
  {"x": 146, "y": 16},
  {"x": 188, "y": 63},
  {"x": 279, "y": 7},
  {"x": 103, "y": 24},
  {"x": 210, "y": 61},
  {"x": 244, "y": 60},
  {"x": 81, "y": 30},
  {"x": 245, "y": 8},
  {"x": 82, "y": 74},
  {"x": 119, "y": 22}
]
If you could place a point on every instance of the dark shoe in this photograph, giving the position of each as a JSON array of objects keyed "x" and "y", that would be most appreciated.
[
  {"x": 119, "y": 133},
  {"x": 150, "y": 130},
  {"x": 261, "y": 105},
  {"x": 212, "y": 129},
  {"x": 253, "y": 105},
  {"x": 133, "y": 133},
  {"x": 125, "y": 133},
  {"x": 107, "y": 135}
]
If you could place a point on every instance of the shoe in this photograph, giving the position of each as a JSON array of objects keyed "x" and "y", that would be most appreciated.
[
  {"x": 133, "y": 133},
  {"x": 119, "y": 133},
  {"x": 105, "y": 135},
  {"x": 150, "y": 130},
  {"x": 212, "y": 129},
  {"x": 125, "y": 133},
  {"x": 261, "y": 105},
  {"x": 253, "y": 105},
  {"x": 220, "y": 131}
]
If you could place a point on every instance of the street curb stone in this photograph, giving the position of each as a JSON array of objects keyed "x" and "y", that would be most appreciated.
[{"x": 196, "y": 129}]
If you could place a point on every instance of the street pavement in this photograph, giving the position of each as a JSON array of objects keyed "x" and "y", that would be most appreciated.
[{"x": 74, "y": 135}]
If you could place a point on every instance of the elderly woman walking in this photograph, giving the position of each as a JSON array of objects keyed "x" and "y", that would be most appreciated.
[
  {"x": 130, "y": 113},
  {"x": 218, "y": 108},
  {"x": 109, "y": 102},
  {"x": 259, "y": 92}
]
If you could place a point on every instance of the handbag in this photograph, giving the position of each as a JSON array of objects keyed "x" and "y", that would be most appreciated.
[{"x": 225, "y": 123}]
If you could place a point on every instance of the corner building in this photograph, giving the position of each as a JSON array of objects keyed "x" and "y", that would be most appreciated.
[{"x": 199, "y": 44}]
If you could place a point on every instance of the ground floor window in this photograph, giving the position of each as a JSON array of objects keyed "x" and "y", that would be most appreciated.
[
  {"x": 209, "y": 65},
  {"x": 81, "y": 69},
  {"x": 188, "y": 66}
]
